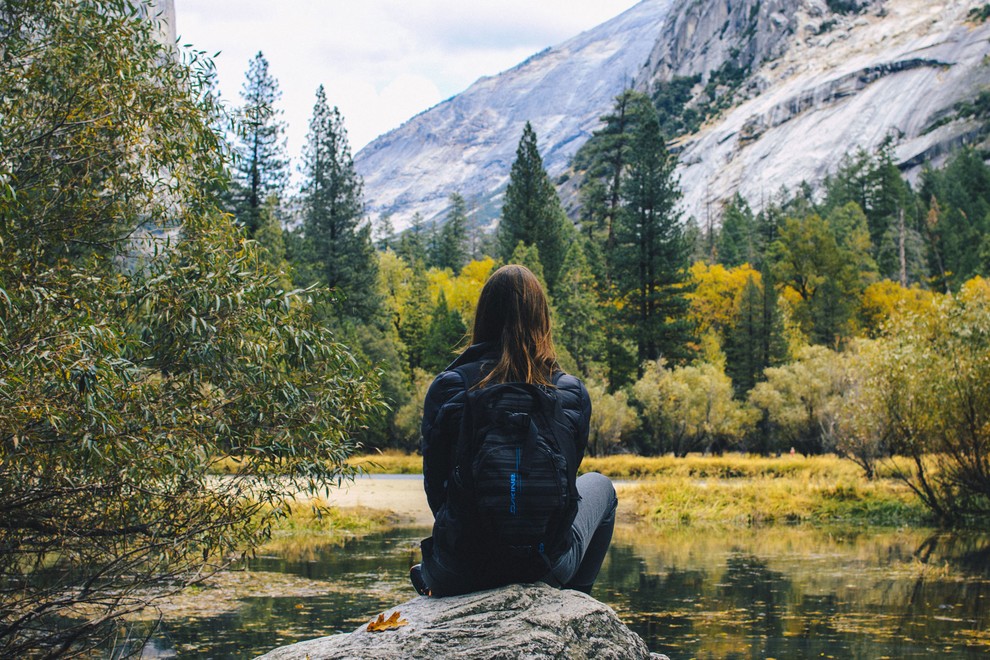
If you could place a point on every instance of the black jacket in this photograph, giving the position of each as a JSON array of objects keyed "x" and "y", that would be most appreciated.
[{"x": 441, "y": 425}]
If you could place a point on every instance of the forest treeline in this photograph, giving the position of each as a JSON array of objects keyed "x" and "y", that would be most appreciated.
[
  {"x": 763, "y": 330},
  {"x": 169, "y": 299}
]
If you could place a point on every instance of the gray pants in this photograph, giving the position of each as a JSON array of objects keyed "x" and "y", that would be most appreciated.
[{"x": 591, "y": 534}]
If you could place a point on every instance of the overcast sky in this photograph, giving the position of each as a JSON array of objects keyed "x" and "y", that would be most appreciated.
[{"x": 381, "y": 61}]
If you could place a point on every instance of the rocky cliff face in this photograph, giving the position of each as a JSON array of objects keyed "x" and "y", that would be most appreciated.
[
  {"x": 518, "y": 621},
  {"x": 702, "y": 36},
  {"x": 808, "y": 85},
  {"x": 832, "y": 83}
]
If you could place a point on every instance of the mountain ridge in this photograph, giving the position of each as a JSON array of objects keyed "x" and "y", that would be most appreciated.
[
  {"x": 467, "y": 143},
  {"x": 784, "y": 89}
]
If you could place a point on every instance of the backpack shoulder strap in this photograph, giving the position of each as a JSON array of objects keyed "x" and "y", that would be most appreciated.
[
  {"x": 566, "y": 445},
  {"x": 470, "y": 373}
]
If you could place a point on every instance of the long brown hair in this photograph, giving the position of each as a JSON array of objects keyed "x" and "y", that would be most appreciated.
[{"x": 514, "y": 315}]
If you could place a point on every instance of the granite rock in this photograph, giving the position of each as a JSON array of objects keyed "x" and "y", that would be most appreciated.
[{"x": 517, "y": 621}]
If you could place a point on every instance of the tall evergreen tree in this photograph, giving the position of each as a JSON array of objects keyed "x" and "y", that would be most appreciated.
[
  {"x": 532, "y": 212},
  {"x": 412, "y": 244},
  {"x": 737, "y": 240},
  {"x": 262, "y": 168},
  {"x": 579, "y": 310},
  {"x": 874, "y": 183},
  {"x": 384, "y": 232},
  {"x": 852, "y": 182},
  {"x": 895, "y": 242},
  {"x": 339, "y": 246},
  {"x": 413, "y": 320},
  {"x": 529, "y": 256},
  {"x": 445, "y": 332},
  {"x": 651, "y": 262},
  {"x": 451, "y": 245},
  {"x": 755, "y": 340},
  {"x": 606, "y": 155},
  {"x": 959, "y": 217}
]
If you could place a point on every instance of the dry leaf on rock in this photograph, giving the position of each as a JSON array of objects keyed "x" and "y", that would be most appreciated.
[{"x": 385, "y": 624}]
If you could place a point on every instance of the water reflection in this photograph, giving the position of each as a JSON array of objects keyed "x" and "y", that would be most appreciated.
[
  {"x": 779, "y": 592},
  {"x": 803, "y": 592}
]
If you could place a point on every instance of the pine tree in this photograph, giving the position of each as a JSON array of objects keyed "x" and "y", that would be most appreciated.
[
  {"x": 338, "y": 245},
  {"x": 262, "y": 168},
  {"x": 412, "y": 243},
  {"x": 532, "y": 212},
  {"x": 755, "y": 340},
  {"x": 959, "y": 215},
  {"x": 852, "y": 182},
  {"x": 767, "y": 230},
  {"x": 874, "y": 183},
  {"x": 384, "y": 232},
  {"x": 529, "y": 256},
  {"x": 651, "y": 261},
  {"x": 445, "y": 332},
  {"x": 579, "y": 310},
  {"x": 607, "y": 153},
  {"x": 889, "y": 229},
  {"x": 415, "y": 318},
  {"x": 736, "y": 237},
  {"x": 451, "y": 247}
]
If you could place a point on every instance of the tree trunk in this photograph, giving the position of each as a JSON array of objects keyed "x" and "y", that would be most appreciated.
[{"x": 901, "y": 239}]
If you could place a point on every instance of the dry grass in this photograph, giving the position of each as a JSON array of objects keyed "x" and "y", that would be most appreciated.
[
  {"x": 753, "y": 490},
  {"x": 729, "y": 466},
  {"x": 677, "y": 500},
  {"x": 388, "y": 462},
  {"x": 315, "y": 515}
]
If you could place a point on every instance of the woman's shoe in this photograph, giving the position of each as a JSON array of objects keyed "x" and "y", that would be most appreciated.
[{"x": 416, "y": 577}]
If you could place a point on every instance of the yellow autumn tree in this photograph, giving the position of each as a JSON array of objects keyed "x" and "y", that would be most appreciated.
[
  {"x": 463, "y": 290},
  {"x": 612, "y": 420},
  {"x": 691, "y": 408},
  {"x": 715, "y": 295},
  {"x": 395, "y": 281},
  {"x": 929, "y": 388},
  {"x": 883, "y": 299}
]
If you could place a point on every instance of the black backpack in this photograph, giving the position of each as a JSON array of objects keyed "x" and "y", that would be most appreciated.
[{"x": 514, "y": 475}]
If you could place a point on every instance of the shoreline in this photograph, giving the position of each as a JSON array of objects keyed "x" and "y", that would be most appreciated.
[
  {"x": 734, "y": 490},
  {"x": 402, "y": 495}
]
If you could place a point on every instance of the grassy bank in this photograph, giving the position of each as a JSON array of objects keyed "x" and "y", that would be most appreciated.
[
  {"x": 315, "y": 515},
  {"x": 696, "y": 490},
  {"x": 388, "y": 462},
  {"x": 731, "y": 466},
  {"x": 766, "y": 500},
  {"x": 311, "y": 525},
  {"x": 737, "y": 489},
  {"x": 752, "y": 490}
]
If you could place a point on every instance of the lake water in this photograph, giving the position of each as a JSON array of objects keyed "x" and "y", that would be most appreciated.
[{"x": 777, "y": 592}]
